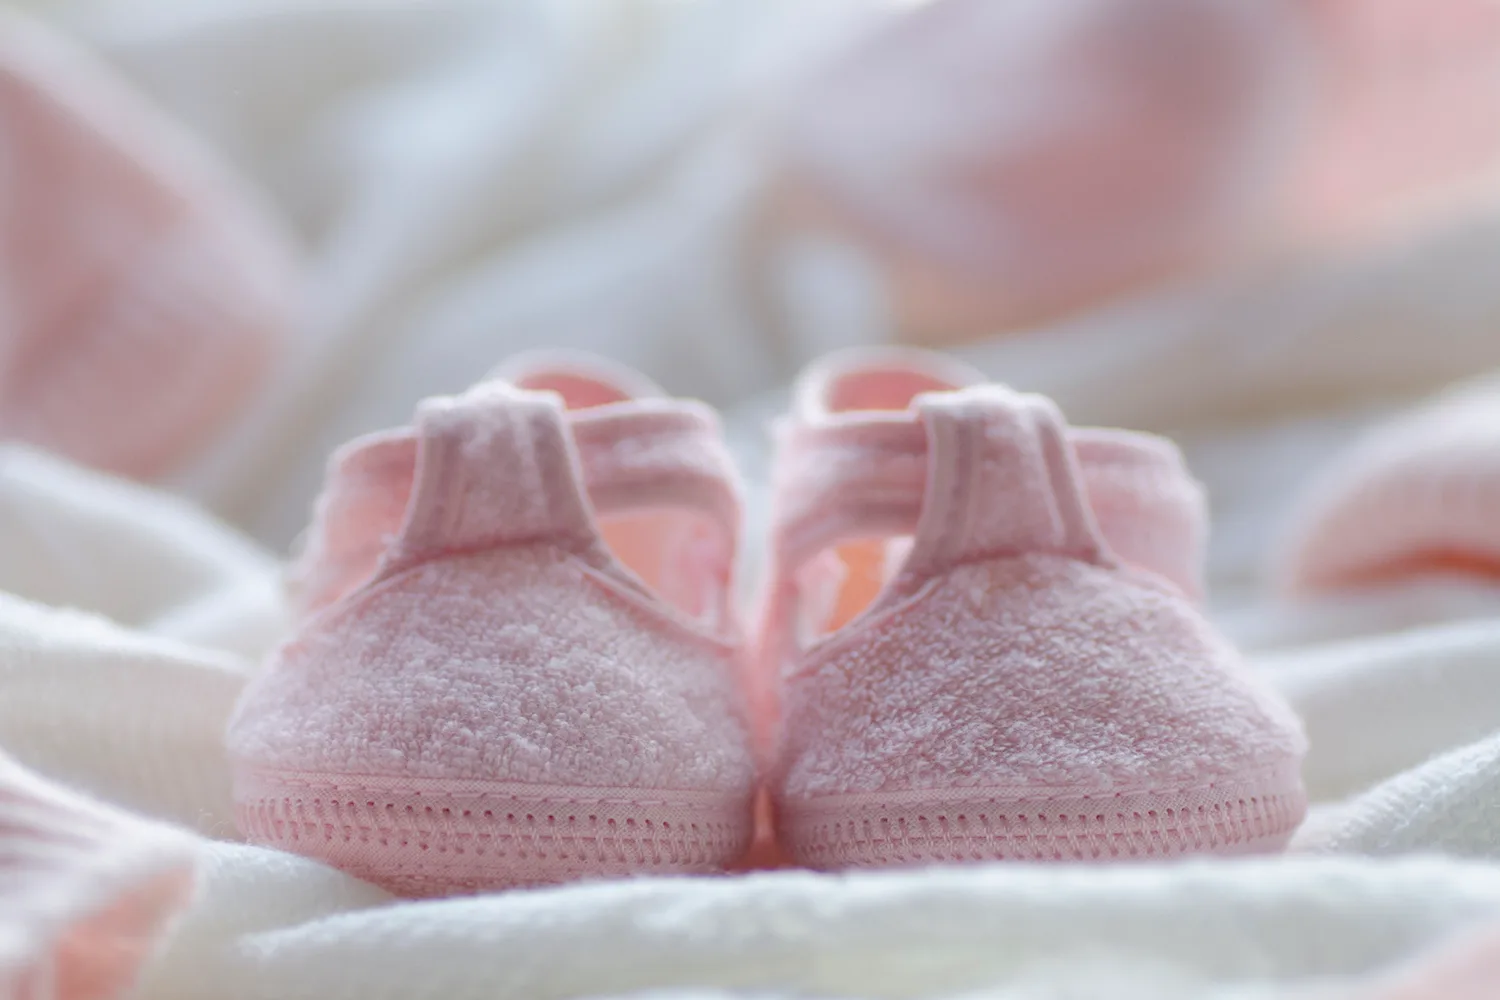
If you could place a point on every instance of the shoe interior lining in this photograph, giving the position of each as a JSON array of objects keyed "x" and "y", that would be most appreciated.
[
  {"x": 881, "y": 389},
  {"x": 847, "y": 578},
  {"x": 838, "y": 585},
  {"x": 677, "y": 554}
]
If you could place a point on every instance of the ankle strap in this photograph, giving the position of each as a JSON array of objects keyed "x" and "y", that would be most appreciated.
[
  {"x": 658, "y": 453},
  {"x": 1108, "y": 492},
  {"x": 501, "y": 466}
]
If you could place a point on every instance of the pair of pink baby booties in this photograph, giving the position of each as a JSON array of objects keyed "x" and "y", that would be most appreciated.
[{"x": 518, "y": 658}]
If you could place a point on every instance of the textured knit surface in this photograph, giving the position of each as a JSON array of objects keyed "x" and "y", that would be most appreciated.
[
  {"x": 1078, "y": 678},
  {"x": 146, "y": 294},
  {"x": 1445, "y": 804},
  {"x": 1259, "y": 929},
  {"x": 521, "y": 667},
  {"x": 111, "y": 692}
]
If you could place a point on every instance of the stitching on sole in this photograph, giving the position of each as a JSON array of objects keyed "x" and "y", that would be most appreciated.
[
  {"x": 420, "y": 844},
  {"x": 986, "y": 829}
]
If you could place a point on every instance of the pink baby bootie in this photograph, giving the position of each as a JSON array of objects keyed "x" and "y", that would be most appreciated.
[
  {"x": 516, "y": 660},
  {"x": 982, "y": 640}
]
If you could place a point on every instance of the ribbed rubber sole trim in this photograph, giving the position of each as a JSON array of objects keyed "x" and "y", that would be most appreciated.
[
  {"x": 435, "y": 838},
  {"x": 930, "y": 827}
]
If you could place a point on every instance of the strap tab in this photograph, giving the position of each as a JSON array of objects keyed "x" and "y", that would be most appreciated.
[
  {"x": 1001, "y": 480},
  {"x": 495, "y": 466}
]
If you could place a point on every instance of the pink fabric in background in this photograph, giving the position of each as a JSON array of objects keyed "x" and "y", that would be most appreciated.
[
  {"x": 86, "y": 891},
  {"x": 1004, "y": 164},
  {"x": 144, "y": 292},
  {"x": 1407, "y": 113},
  {"x": 1415, "y": 497}
]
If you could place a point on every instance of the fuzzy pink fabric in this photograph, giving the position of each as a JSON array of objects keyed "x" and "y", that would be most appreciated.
[
  {"x": 1003, "y": 163},
  {"x": 1415, "y": 496},
  {"x": 497, "y": 698},
  {"x": 85, "y": 891},
  {"x": 143, "y": 292},
  {"x": 1015, "y": 689},
  {"x": 1408, "y": 112},
  {"x": 852, "y": 442}
]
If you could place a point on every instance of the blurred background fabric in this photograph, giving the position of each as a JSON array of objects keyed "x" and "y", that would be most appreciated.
[{"x": 1258, "y": 252}]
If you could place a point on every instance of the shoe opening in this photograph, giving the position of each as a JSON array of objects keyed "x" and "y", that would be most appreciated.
[{"x": 837, "y": 585}]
